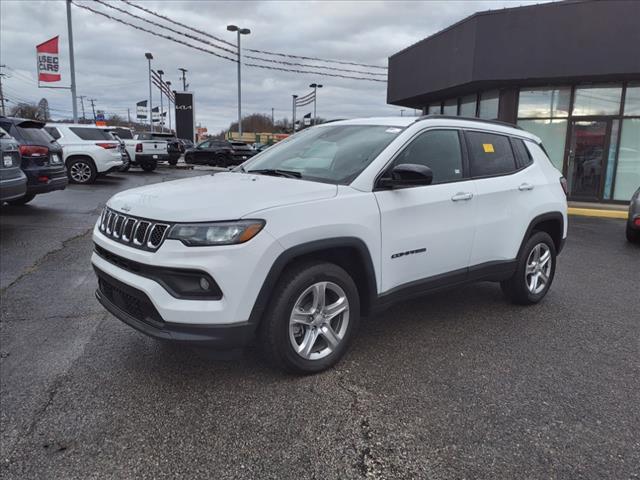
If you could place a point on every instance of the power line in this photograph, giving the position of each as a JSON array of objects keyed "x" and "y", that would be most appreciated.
[
  {"x": 165, "y": 27},
  {"x": 253, "y": 57},
  {"x": 222, "y": 56},
  {"x": 264, "y": 52},
  {"x": 151, "y": 32}
]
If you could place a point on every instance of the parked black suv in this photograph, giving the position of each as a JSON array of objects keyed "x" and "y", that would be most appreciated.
[
  {"x": 220, "y": 153},
  {"x": 41, "y": 157},
  {"x": 13, "y": 182}
]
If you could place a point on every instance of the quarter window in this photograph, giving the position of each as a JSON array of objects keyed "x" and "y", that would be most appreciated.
[
  {"x": 440, "y": 151},
  {"x": 523, "y": 157},
  {"x": 490, "y": 154}
]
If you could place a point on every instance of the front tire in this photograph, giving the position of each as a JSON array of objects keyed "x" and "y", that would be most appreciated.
[
  {"x": 535, "y": 271},
  {"x": 633, "y": 236},
  {"x": 311, "y": 319},
  {"x": 81, "y": 171}
]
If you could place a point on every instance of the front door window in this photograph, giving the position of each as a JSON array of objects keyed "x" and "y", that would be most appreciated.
[{"x": 587, "y": 158}]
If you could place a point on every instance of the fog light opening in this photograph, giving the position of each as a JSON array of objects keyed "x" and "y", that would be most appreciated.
[{"x": 204, "y": 283}]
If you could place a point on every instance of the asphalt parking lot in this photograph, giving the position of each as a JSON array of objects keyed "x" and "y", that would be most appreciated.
[{"x": 460, "y": 384}]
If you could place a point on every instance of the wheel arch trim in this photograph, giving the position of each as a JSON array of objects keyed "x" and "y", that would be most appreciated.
[
  {"x": 291, "y": 254},
  {"x": 545, "y": 217}
]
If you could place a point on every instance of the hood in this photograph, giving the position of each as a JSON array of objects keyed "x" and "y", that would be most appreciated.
[{"x": 222, "y": 196}]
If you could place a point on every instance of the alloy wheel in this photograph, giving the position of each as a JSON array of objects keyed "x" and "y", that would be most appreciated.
[
  {"x": 538, "y": 269},
  {"x": 80, "y": 172},
  {"x": 319, "y": 320}
]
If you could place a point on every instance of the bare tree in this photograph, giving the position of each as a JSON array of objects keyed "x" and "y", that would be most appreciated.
[
  {"x": 43, "y": 110},
  {"x": 26, "y": 110}
]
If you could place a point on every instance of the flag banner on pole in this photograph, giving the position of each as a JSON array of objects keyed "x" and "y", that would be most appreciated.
[
  {"x": 307, "y": 119},
  {"x": 155, "y": 114},
  {"x": 141, "y": 109},
  {"x": 48, "y": 62}
]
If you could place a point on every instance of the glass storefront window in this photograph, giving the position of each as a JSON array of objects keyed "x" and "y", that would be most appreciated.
[
  {"x": 632, "y": 100},
  {"x": 552, "y": 133},
  {"x": 611, "y": 159},
  {"x": 434, "y": 109},
  {"x": 489, "y": 105},
  {"x": 628, "y": 168},
  {"x": 450, "y": 107},
  {"x": 544, "y": 102},
  {"x": 597, "y": 101},
  {"x": 468, "y": 106}
]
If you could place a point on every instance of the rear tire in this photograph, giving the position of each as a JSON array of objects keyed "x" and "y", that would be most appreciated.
[
  {"x": 535, "y": 271},
  {"x": 148, "y": 166},
  {"x": 220, "y": 160},
  {"x": 173, "y": 162},
  {"x": 633, "y": 236},
  {"x": 81, "y": 171},
  {"x": 22, "y": 200},
  {"x": 299, "y": 334}
]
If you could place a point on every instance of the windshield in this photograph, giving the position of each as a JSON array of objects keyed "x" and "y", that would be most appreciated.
[{"x": 332, "y": 154}]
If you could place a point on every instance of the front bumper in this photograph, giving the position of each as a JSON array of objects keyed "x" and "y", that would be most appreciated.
[{"x": 134, "y": 308}]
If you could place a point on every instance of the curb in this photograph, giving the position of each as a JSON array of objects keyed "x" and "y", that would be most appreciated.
[{"x": 592, "y": 212}]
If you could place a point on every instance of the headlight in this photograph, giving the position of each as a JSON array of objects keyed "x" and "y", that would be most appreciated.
[{"x": 219, "y": 233}]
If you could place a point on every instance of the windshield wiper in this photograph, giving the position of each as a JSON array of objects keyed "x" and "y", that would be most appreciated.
[{"x": 276, "y": 172}]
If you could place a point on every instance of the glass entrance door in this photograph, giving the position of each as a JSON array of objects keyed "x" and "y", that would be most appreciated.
[{"x": 587, "y": 158}]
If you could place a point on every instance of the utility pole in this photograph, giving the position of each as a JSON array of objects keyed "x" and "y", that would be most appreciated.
[
  {"x": 168, "y": 84},
  {"x": 149, "y": 57},
  {"x": 1, "y": 94},
  {"x": 184, "y": 79},
  {"x": 239, "y": 31},
  {"x": 72, "y": 64},
  {"x": 293, "y": 126},
  {"x": 160, "y": 73},
  {"x": 272, "y": 119},
  {"x": 82, "y": 97},
  {"x": 315, "y": 87},
  {"x": 129, "y": 116},
  {"x": 93, "y": 108}
]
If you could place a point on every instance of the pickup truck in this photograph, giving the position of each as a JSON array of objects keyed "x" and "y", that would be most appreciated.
[
  {"x": 175, "y": 148},
  {"x": 142, "y": 150}
]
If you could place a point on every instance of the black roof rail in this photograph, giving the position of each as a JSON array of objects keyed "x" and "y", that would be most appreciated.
[{"x": 471, "y": 119}]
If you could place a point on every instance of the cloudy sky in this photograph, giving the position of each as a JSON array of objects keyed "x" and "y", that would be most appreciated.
[{"x": 111, "y": 67}]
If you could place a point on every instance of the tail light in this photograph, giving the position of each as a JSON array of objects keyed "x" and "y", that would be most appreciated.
[
  {"x": 563, "y": 182},
  {"x": 107, "y": 145},
  {"x": 33, "y": 151},
  {"x": 138, "y": 147}
]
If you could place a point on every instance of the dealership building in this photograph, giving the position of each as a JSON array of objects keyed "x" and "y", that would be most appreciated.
[{"x": 566, "y": 71}]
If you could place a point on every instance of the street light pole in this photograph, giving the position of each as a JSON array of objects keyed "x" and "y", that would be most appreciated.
[
  {"x": 240, "y": 31},
  {"x": 315, "y": 87},
  {"x": 72, "y": 64},
  {"x": 149, "y": 57},
  {"x": 160, "y": 73},
  {"x": 184, "y": 79}
]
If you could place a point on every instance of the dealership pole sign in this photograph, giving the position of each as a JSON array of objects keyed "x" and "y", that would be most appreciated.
[
  {"x": 185, "y": 115},
  {"x": 48, "y": 56}
]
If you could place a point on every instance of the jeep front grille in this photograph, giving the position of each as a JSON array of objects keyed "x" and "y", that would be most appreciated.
[{"x": 133, "y": 231}]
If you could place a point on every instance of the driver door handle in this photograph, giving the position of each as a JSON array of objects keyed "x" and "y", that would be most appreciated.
[
  {"x": 525, "y": 186},
  {"x": 462, "y": 196}
]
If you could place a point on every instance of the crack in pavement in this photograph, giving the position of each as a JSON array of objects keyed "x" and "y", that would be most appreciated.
[{"x": 32, "y": 268}]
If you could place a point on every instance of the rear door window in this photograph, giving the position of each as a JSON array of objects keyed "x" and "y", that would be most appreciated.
[
  {"x": 91, "y": 133},
  {"x": 490, "y": 154}
]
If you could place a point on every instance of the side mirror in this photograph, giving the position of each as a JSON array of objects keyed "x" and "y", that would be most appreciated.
[{"x": 407, "y": 175}]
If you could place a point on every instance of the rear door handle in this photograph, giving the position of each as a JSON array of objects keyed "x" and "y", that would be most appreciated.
[
  {"x": 462, "y": 196},
  {"x": 525, "y": 186}
]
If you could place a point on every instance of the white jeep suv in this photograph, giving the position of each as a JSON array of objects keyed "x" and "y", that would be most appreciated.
[
  {"x": 88, "y": 150},
  {"x": 328, "y": 226}
]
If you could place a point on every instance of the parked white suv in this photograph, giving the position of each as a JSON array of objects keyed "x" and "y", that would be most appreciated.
[
  {"x": 332, "y": 224},
  {"x": 88, "y": 150}
]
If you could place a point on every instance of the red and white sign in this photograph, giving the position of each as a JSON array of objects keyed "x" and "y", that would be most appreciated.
[{"x": 48, "y": 64}]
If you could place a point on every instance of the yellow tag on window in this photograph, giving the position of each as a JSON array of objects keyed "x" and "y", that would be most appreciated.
[{"x": 488, "y": 148}]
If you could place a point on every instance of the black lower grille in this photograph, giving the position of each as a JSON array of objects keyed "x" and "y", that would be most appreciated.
[{"x": 128, "y": 299}]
